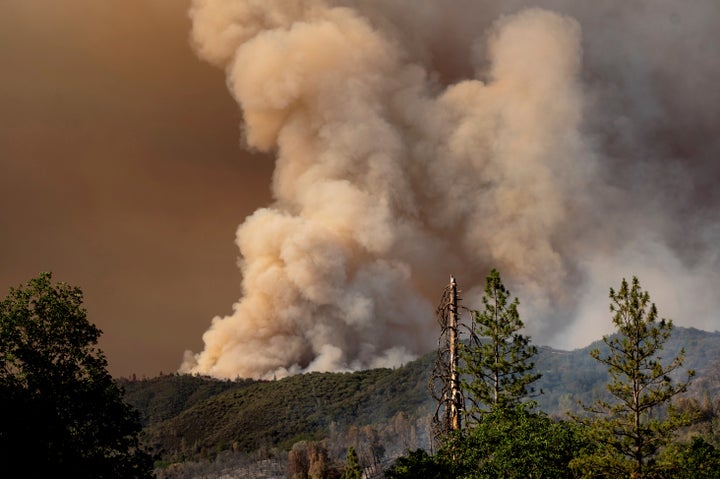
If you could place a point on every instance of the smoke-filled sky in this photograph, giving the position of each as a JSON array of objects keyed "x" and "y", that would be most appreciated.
[{"x": 285, "y": 186}]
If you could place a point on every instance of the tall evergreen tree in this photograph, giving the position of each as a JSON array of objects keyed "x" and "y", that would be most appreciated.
[
  {"x": 497, "y": 368},
  {"x": 630, "y": 429}
]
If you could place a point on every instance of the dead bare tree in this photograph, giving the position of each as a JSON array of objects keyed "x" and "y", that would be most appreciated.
[{"x": 444, "y": 382}]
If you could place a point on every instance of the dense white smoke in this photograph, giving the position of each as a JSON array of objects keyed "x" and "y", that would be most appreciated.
[{"x": 418, "y": 139}]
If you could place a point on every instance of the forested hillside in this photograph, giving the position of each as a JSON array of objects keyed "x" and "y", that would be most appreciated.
[
  {"x": 569, "y": 376},
  {"x": 190, "y": 417}
]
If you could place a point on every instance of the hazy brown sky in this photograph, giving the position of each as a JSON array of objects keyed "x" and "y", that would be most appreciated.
[{"x": 121, "y": 171}]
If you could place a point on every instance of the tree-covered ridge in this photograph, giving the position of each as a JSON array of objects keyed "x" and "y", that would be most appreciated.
[
  {"x": 164, "y": 397},
  {"x": 247, "y": 415},
  {"x": 211, "y": 412},
  {"x": 572, "y": 376}
]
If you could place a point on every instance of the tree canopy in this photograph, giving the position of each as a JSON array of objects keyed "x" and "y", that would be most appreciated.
[
  {"x": 513, "y": 443},
  {"x": 63, "y": 413},
  {"x": 632, "y": 427}
]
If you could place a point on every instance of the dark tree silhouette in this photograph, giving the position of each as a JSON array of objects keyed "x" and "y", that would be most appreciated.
[{"x": 63, "y": 415}]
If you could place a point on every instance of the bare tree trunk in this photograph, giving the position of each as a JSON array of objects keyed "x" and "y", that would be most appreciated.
[
  {"x": 445, "y": 380},
  {"x": 455, "y": 397}
]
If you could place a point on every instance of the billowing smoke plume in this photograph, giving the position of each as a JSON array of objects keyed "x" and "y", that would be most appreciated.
[{"x": 567, "y": 145}]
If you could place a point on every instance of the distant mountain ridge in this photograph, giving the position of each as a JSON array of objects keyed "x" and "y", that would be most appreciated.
[{"x": 188, "y": 417}]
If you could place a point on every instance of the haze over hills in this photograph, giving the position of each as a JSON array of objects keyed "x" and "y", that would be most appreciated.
[{"x": 191, "y": 417}]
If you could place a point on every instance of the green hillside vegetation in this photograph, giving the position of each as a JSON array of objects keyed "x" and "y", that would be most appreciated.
[
  {"x": 192, "y": 417},
  {"x": 572, "y": 376},
  {"x": 166, "y": 396}
]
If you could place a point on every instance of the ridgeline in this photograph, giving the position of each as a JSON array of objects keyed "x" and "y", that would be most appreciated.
[{"x": 193, "y": 417}]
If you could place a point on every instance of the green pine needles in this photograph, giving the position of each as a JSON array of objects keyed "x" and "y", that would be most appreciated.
[
  {"x": 633, "y": 426},
  {"x": 497, "y": 360}
]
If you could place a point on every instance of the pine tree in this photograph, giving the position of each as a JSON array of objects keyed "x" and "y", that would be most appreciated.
[
  {"x": 352, "y": 468},
  {"x": 497, "y": 368},
  {"x": 630, "y": 429}
]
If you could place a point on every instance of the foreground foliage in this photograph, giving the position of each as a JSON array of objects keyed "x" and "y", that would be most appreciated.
[
  {"x": 418, "y": 463},
  {"x": 514, "y": 443},
  {"x": 507, "y": 443},
  {"x": 696, "y": 460},
  {"x": 63, "y": 415}
]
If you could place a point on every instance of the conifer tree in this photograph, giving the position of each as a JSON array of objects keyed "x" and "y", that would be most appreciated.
[
  {"x": 497, "y": 367},
  {"x": 352, "y": 468},
  {"x": 632, "y": 427}
]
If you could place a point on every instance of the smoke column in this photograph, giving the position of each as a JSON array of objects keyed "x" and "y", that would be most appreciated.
[{"x": 568, "y": 146}]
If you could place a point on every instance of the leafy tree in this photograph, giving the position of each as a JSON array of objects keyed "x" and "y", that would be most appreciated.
[
  {"x": 63, "y": 415},
  {"x": 630, "y": 430},
  {"x": 352, "y": 466},
  {"x": 697, "y": 460},
  {"x": 497, "y": 368},
  {"x": 513, "y": 443},
  {"x": 418, "y": 464}
]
